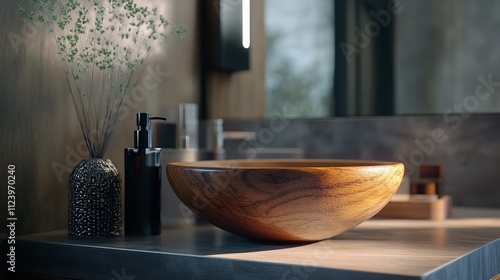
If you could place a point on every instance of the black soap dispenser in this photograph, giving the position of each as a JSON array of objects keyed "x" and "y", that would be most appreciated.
[{"x": 143, "y": 182}]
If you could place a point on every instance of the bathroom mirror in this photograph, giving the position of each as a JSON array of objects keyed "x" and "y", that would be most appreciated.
[
  {"x": 300, "y": 56},
  {"x": 391, "y": 57}
]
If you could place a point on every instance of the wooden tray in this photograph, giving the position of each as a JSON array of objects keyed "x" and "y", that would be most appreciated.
[{"x": 437, "y": 210}]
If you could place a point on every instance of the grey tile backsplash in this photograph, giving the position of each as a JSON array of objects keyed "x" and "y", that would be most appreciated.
[{"x": 467, "y": 147}]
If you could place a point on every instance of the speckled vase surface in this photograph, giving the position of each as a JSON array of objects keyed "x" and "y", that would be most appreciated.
[{"x": 94, "y": 199}]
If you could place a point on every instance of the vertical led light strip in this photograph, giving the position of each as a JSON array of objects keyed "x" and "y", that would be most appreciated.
[{"x": 246, "y": 23}]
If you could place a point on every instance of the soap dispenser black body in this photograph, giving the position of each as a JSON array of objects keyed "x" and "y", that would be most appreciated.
[{"x": 143, "y": 182}]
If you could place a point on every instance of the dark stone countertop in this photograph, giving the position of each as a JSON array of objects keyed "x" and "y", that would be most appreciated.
[{"x": 467, "y": 246}]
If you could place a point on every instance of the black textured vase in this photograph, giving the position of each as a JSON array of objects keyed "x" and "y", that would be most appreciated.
[{"x": 94, "y": 199}]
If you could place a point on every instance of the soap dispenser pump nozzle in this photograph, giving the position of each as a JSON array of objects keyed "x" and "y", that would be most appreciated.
[{"x": 143, "y": 135}]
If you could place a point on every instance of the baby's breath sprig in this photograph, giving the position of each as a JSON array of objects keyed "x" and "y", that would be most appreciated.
[
  {"x": 110, "y": 34},
  {"x": 102, "y": 43}
]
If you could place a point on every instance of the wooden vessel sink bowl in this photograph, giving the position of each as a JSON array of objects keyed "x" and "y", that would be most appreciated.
[{"x": 286, "y": 200}]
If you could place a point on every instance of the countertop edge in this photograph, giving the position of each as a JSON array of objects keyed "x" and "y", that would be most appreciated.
[
  {"x": 482, "y": 263},
  {"x": 38, "y": 258}
]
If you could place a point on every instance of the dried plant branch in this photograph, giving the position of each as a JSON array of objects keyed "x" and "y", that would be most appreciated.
[{"x": 101, "y": 43}]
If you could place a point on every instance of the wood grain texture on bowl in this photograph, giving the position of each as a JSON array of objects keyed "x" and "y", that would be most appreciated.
[{"x": 288, "y": 200}]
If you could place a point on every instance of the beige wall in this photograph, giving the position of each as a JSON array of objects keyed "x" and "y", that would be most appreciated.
[{"x": 38, "y": 125}]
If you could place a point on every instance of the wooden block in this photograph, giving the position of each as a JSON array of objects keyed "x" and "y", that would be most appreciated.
[
  {"x": 431, "y": 171},
  {"x": 437, "y": 210},
  {"x": 423, "y": 186},
  {"x": 427, "y": 186}
]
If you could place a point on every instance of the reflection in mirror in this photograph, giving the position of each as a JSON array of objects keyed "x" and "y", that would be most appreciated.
[
  {"x": 398, "y": 57},
  {"x": 447, "y": 57},
  {"x": 300, "y": 57}
]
